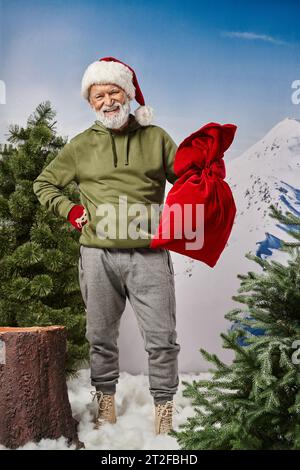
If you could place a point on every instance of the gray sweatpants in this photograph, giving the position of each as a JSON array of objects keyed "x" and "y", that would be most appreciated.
[{"x": 146, "y": 276}]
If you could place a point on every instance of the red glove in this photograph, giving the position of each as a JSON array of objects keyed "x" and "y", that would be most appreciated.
[{"x": 77, "y": 217}]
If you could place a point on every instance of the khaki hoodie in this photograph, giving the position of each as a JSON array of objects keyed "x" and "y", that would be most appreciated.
[{"x": 133, "y": 163}]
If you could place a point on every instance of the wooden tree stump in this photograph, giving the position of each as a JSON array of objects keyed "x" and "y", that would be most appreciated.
[{"x": 34, "y": 401}]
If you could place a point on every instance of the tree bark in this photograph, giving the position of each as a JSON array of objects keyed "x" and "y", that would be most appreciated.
[{"x": 34, "y": 401}]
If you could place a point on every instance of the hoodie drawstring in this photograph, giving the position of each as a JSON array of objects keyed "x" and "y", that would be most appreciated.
[
  {"x": 113, "y": 144},
  {"x": 126, "y": 148}
]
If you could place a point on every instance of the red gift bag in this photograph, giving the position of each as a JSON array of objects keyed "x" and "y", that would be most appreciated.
[{"x": 199, "y": 211}]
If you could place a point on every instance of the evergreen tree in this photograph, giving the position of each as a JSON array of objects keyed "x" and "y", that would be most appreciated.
[
  {"x": 39, "y": 251},
  {"x": 254, "y": 403}
]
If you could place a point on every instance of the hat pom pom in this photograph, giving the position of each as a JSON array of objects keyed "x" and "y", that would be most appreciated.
[{"x": 144, "y": 115}]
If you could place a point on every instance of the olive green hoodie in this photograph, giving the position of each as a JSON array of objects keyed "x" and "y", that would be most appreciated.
[{"x": 133, "y": 163}]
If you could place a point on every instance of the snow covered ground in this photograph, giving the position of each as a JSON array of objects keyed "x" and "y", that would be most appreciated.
[{"x": 134, "y": 429}]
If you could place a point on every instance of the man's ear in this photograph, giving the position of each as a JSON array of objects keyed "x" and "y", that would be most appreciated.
[{"x": 89, "y": 100}]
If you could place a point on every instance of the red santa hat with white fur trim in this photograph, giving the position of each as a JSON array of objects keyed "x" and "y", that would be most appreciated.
[{"x": 111, "y": 70}]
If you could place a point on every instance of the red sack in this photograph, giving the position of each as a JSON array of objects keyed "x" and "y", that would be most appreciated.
[{"x": 205, "y": 208}]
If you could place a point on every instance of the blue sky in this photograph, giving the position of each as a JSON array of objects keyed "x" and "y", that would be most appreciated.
[{"x": 196, "y": 62}]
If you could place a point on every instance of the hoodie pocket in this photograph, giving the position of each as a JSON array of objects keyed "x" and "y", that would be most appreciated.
[
  {"x": 86, "y": 205},
  {"x": 81, "y": 277},
  {"x": 168, "y": 262}
]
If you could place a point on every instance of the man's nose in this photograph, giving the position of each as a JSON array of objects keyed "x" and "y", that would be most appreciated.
[{"x": 108, "y": 100}]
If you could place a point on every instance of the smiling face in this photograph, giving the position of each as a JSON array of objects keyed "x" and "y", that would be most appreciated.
[
  {"x": 104, "y": 96},
  {"x": 111, "y": 105}
]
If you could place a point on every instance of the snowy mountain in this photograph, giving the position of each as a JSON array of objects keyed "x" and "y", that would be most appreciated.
[{"x": 268, "y": 172}]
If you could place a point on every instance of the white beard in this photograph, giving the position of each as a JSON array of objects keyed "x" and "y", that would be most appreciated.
[{"x": 117, "y": 120}]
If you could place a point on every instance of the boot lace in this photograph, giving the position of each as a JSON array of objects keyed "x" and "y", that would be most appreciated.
[
  {"x": 165, "y": 414},
  {"x": 104, "y": 405}
]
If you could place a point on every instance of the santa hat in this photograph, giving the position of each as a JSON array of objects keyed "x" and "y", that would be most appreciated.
[{"x": 111, "y": 70}]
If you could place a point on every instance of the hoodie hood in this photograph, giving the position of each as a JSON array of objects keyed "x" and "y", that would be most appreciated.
[{"x": 131, "y": 127}]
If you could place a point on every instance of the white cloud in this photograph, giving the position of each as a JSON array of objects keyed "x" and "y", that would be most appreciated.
[{"x": 253, "y": 36}]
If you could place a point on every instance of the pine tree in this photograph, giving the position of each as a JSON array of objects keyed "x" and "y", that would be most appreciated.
[
  {"x": 39, "y": 251},
  {"x": 254, "y": 402}
]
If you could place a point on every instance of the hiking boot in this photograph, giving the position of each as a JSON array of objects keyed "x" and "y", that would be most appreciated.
[
  {"x": 106, "y": 408},
  {"x": 163, "y": 417}
]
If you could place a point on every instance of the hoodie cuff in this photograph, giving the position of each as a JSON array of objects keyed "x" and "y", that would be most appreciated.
[{"x": 65, "y": 207}]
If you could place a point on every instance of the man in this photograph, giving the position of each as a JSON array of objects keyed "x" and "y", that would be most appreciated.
[{"x": 120, "y": 163}]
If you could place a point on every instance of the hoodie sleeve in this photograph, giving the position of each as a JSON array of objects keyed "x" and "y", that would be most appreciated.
[
  {"x": 58, "y": 174},
  {"x": 170, "y": 149}
]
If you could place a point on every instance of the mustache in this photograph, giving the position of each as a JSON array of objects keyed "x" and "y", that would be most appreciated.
[{"x": 111, "y": 108}]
